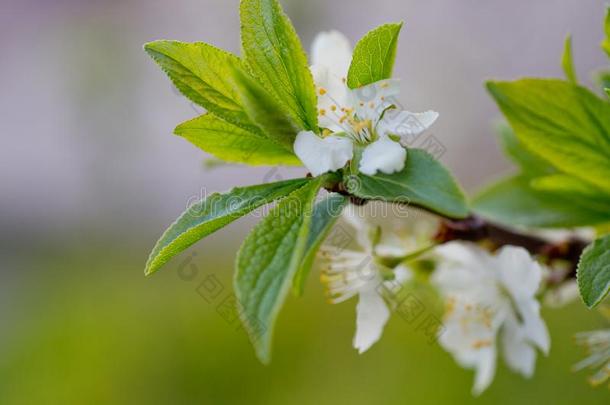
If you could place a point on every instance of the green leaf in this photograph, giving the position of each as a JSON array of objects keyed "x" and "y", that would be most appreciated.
[
  {"x": 266, "y": 111},
  {"x": 527, "y": 161},
  {"x": 606, "y": 41},
  {"x": 275, "y": 55},
  {"x": 580, "y": 193},
  {"x": 324, "y": 216},
  {"x": 593, "y": 272},
  {"x": 567, "y": 61},
  {"x": 268, "y": 261},
  {"x": 514, "y": 202},
  {"x": 601, "y": 78},
  {"x": 200, "y": 72},
  {"x": 423, "y": 182},
  {"x": 234, "y": 144},
  {"x": 213, "y": 213},
  {"x": 374, "y": 55},
  {"x": 565, "y": 124}
]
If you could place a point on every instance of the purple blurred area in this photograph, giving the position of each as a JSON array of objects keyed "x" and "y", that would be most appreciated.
[{"x": 87, "y": 117}]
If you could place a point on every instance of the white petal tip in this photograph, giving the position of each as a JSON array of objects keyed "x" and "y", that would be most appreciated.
[
  {"x": 322, "y": 155},
  {"x": 384, "y": 155}
]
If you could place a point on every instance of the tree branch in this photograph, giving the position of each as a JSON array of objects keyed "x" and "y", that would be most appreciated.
[{"x": 476, "y": 229}]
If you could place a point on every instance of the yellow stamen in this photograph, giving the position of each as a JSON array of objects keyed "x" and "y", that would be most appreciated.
[
  {"x": 359, "y": 126},
  {"x": 479, "y": 344},
  {"x": 450, "y": 306}
]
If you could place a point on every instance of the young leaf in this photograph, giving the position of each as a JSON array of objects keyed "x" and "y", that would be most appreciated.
[
  {"x": 423, "y": 182},
  {"x": 266, "y": 111},
  {"x": 567, "y": 61},
  {"x": 200, "y": 72},
  {"x": 514, "y": 202},
  {"x": 601, "y": 78},
  {"x": 580, "y": 193},
  {"x": 606, "y": 41},
  {"x": 234, "y": 144},
  {"x": 565, "y": 124},
  {"x": 213, "y": 213},
  {"x": 324, "y": 216},
  {"x": 275, "y": 55},
  {"x": 268, "y": 261},
  {"x": 527, "y": 161},
  {"x": 593, "y": 272},
  {"x": 374, "y": 56}
]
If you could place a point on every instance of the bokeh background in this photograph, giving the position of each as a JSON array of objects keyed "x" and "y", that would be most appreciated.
[{"x": 90, "y": 175}]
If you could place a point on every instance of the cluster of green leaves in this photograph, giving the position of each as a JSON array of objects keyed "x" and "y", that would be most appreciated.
[
  {"x": 256, "y": 105},
  {"x": 560, "y": 140}
]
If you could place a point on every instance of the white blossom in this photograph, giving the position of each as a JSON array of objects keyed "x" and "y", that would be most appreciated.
[
  {"x": 491, "y": 307},
  {"x": 367, "y": 117},
  {"x": 597, "y": 345},
  {"x": 348, "y": 273}
]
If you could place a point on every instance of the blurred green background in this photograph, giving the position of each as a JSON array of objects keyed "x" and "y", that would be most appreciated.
[
  {"x": 85, "y": 327},
  {"x": 90, "y": 175}
]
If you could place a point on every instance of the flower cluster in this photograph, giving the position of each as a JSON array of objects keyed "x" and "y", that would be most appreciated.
[{"x": 491, "y": 302}]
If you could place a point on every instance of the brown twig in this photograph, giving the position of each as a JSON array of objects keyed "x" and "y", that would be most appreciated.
[{"x": 476, "y": 229}]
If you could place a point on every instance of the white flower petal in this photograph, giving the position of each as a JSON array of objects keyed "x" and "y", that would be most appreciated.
[
  {"x": 534, "y": 327},
  {"x": 371, "y": 316},
  {"x": 384, "y": 155},
  {"x": 464, "y": 267},
  {"x": 371, "y": 100},
  {"x": 321, "y": 155},
  {"x": 391, "y": 245},
  {"x": 333, "y": 96},
  {"x": 465, "y": 254},
  {"x": 332, "y": 49},
  {"x": 520, "y": 274},
  {"x": 354, "y": 215},
  {"x": 402, "y": 274},
  {"x": 485, "y": 370},
  {"x": 406, "y": 124},
  {"x": 518, "y": 353}
]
